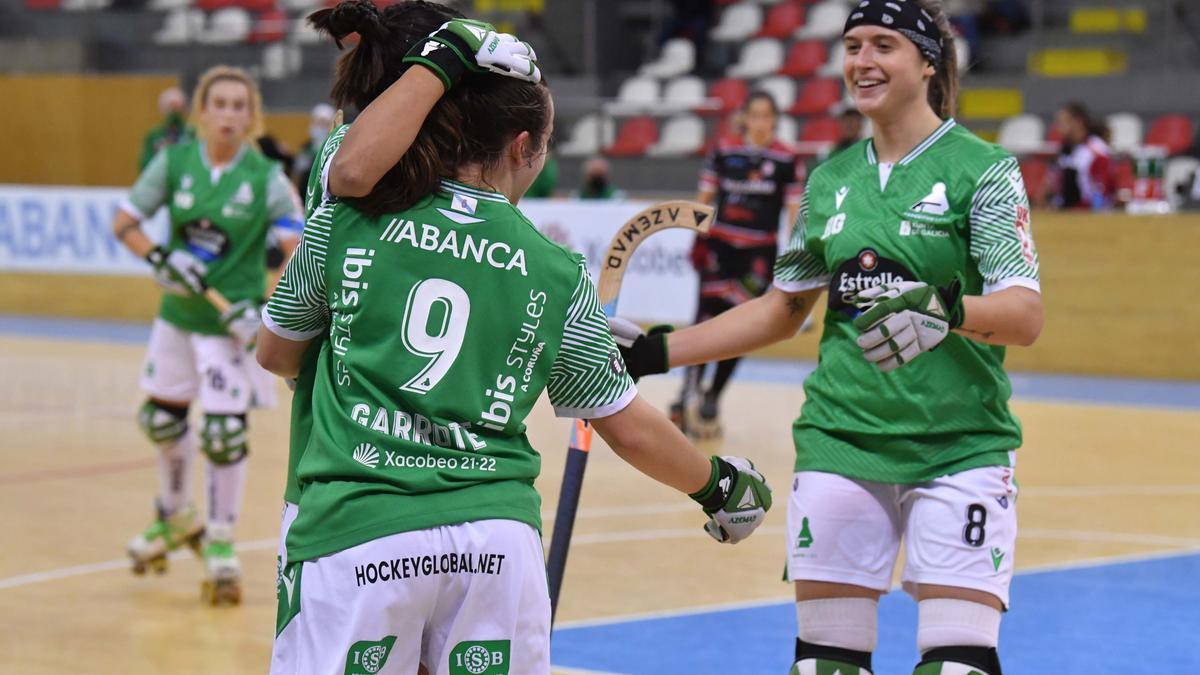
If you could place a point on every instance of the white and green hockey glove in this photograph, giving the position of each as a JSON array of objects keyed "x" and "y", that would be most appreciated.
[
  {"x": 736, "y": 499},
  {"x": 464, "y": 45},
  {"x": 178, "y": 271},
  {"x": 903, "y": 320},
  {"x": 241, "y": 321}
]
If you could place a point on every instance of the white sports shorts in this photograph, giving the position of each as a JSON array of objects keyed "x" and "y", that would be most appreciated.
[
  {"x": 959, "y": 530},
  {"x": 181, "y": 365},
  {"x": 466, "y": 599}
]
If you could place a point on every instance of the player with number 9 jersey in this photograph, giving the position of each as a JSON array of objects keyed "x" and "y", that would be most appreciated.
[{"x": 443, "y": 314}]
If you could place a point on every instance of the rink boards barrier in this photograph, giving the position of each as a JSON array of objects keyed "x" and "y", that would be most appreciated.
[{"x": 1119, "y": 290}]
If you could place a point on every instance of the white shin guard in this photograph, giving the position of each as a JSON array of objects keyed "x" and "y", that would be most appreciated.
[
  {"x": 848, "y": 623},
  {"x": 175, "y": 473},
  {"x": 226, "y": 484},
  {"x": 956, "y": 623}
]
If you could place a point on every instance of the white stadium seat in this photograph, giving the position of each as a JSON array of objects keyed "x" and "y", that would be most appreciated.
[
  {"x": 787, "y": 130},
  {"x": 1125, "y": 131},
  {"x": 824, "y": 21},
  {"x": 759, "y": 57},
  {"x": 305, "y": 34},
  {"x": 678, "y": 57},
  {"x": 681, "y": 136},
  {"x": 738, "y": 22},
  {"x": 837, "y": 57},
  {"x": 637, "y": 94},
  {"x": 1022, "y": 135},
  {"x": 180, "y": 27},
  {"x": 683, "y": 93},
  {"x": 781, "y": 88},
  {"x": 304, "y": 6},
  {"x": 590, "y": 133},
  {"x": 228, "y": 26}
]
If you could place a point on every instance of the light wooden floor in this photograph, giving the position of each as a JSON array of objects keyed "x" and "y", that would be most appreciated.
[{"x": 77, "y": 480}]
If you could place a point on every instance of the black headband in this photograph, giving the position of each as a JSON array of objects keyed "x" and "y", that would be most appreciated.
[{"x": 904, "y": 16}]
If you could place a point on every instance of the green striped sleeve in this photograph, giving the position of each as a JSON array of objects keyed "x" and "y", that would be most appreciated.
[
  {"x": 297, "y": 309},
  {"x": 1001, "y": 230},
  {"x": 797, "y": 269},
  {"x": 317, "y": 178},
  {"x": 588, "y": 379}
]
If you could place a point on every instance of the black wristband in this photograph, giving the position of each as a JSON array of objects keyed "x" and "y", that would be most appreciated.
[
  {"x": 447, "y": 60},
  {"x": 648, "y": 354},
  {"x": 155, "y": 256},
  {"x": 951, "y": 295},
  {"x": 713, "y": 495}
]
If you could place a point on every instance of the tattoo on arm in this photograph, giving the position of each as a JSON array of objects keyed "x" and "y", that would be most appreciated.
[
  {"x": 985, "y": 334},
  {"x": 796, "y": 305}
]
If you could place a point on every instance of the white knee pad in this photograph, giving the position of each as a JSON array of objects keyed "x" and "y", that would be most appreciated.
[
  {"x": 849, "y": 623},
  {"x": 956, "y": 623}
]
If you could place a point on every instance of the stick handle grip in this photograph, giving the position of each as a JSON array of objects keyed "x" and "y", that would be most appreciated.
[
  {"x": 217, "y": 300},
  {"x": 568, "y": 504}
]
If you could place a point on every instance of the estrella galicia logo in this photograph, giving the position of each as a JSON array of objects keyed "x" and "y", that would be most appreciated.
[
  {"x": 866, "y": 269},
  {"x": 205, "y": 240}
]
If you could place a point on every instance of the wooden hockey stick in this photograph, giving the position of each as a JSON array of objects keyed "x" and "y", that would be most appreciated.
[{"x": 667, "y": 215}]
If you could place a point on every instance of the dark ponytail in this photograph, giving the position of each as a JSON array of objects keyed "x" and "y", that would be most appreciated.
[
  {"x": 943, "y": 88},
  {"x": 385, "y": 36},
  {"x": 471, "y": 124}
]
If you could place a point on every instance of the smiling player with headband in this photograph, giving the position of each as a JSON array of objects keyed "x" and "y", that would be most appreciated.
[{"x": 921, "y": 235}]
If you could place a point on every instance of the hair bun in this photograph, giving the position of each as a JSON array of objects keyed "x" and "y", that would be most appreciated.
[{"x": 354, "y": 16}]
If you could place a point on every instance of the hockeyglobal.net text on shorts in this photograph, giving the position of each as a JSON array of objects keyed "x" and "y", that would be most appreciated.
[{"x": 427, "y": 566}]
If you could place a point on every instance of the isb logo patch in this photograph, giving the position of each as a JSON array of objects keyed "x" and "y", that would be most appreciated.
[
  {"x": 366, "y": 657},
  {"x": 485, "y": 657}
]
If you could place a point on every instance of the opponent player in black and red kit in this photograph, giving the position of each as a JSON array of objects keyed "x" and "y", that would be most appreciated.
[{"x": 749, "y": 181}]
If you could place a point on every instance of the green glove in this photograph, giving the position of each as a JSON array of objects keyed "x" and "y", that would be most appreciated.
[
  {"x": 464, "y": 45},
  {"x": 903, "y": 320},
  {"x": 736, "y": 499}
]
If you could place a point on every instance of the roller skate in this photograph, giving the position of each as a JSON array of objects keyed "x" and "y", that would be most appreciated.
[
  {"x": 223, "y": 584},
  {"x": 677, "y": 413},
  {"x": 148, "y": 550},
  {"x": 706, "y": 423}
]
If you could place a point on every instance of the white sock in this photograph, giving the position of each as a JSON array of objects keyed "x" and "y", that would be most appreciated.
[
  {"x": 956, "y": 623},
  {"x": 175, "y": 473},
  {"x": 849, "y": 623},
  {"x": 226, "y": 484}
]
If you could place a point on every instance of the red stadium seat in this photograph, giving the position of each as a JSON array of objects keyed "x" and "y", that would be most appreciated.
[
  {"x": 42, "y": 4},
  {"x": 817, "y": 97},
  {"x": 1033, "y": 172},
  {"x": 637, "y": 134},
  {"x": 270, "y": 26},
  {"x": 1173, "y": 132},
  {"x": 1124, "y": 179},
  {"x": 805, "y": 58},
  {"x": 820, "y": 130},
  {"x": 782, "y": 20},
  {"x": 731, "y": 92}
]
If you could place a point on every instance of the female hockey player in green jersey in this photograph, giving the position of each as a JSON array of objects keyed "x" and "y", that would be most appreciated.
[
  {"x": 921, "y": 235},
  {"x": 224, "y": 198},
  {"x": 446, "y": 315}
]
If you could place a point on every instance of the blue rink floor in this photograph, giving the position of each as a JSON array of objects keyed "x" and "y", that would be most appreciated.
[{"x": 1127, "y": 618}]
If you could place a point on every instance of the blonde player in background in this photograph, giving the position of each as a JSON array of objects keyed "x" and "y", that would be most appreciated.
[
  {"x": 223, "y": 198},
  {"x": 921, "y": 235}
]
